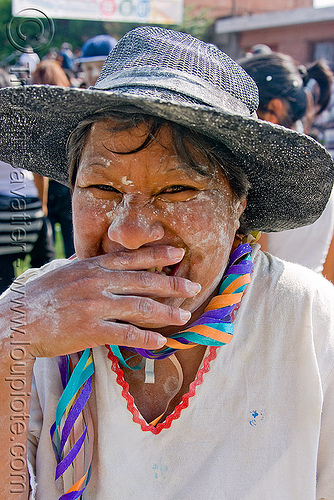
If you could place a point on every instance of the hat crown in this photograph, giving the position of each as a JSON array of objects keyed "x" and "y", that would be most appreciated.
[{"x": 154, "y": 47}]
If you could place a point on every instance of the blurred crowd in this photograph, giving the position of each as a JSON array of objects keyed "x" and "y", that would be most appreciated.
[
  {"x": 292, "y": 95},
  {"x": 81, "y": 66},
  {"x": 37, "y": 206}
]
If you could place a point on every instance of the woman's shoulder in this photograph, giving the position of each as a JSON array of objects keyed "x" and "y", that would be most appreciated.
[
  {"x": 289, "y": 277},
  {"x": 291, "y": 293},
  {"x": 294, "y": 303}
]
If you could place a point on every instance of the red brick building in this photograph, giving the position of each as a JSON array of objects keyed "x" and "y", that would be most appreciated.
[
  {"x": 290, "y": 26},
  {"x": 306, "y": 34}
]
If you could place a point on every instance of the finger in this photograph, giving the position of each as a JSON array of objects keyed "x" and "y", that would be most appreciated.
[
  {"x": 100, "y": 333},
  {"x": 142, "y": 258},
  {"x": 129, "y": 335},
  {"x": 149, "y": 284},
  {"x": 145, "y": 311}
]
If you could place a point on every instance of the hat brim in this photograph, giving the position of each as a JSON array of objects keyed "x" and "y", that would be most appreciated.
[{"x": 291, "y": 174}]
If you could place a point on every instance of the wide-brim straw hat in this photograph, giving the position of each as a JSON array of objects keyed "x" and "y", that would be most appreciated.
[{"x": 179, "y": 78}]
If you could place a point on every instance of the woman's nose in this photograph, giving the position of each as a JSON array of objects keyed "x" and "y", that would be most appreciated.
[{"x": 132, "y": 229}]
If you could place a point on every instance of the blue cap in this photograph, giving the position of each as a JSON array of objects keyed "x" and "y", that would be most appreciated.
[{"x": 97, "y": 48}]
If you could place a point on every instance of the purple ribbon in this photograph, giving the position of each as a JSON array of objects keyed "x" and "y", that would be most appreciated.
[
  {"x": 73, "y": 495},
  {"x": 66, "y": 462},
  {"x": 75, "y": 412}
]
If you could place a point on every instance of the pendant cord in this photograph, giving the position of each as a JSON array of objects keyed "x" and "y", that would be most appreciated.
[{"x": 179, "y": 370}]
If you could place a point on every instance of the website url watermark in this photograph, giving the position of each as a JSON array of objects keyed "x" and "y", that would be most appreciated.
[
  {"x": 17, "y": 377},
  {"x": 19, "y": 392}
]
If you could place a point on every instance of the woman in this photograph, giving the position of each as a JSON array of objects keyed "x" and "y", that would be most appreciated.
[
  {"x": 156, "y": 399},
  {"x": 284, "y": 99}
]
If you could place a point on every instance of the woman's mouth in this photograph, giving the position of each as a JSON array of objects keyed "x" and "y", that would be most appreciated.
[{"x": 166, "y": 270}]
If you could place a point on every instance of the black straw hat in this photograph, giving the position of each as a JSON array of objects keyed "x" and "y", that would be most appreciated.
[{"x": 177, "y": 77}]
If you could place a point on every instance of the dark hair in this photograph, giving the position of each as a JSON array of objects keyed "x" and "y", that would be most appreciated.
[
  {"x": 322, "y": 74},
  {"x": 194, "y": 150},
  {"x": 49, "y": 72},
  {"x": 277, "y": 76}
]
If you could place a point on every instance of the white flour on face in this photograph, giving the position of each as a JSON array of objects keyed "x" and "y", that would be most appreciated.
[
  {"x": 126, "y": 181},
  {"x": 158, "y": 201}
]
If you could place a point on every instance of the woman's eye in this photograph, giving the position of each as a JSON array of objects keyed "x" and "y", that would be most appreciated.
[
  {"x": 103, "y": 191},
  {"x": 104, "y": 187},
  {"x": 177, "y": 189},
  {"x": 178, "y": 193}
]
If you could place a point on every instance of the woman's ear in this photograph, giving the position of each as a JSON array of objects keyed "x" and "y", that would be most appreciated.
[
  {"x": 274, "y": 112},
  {"x": 241, "y": 207}
]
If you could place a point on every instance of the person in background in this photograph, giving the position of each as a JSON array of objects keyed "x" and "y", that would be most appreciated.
[
  {"x": 66, "y": 58},
  {"x": 49, "y": 72},
  {"x": 29, "y": 59},
  {"x": 51, "y": 54},
  {"x": 24, "y": 228},
  {"x": 324, "y": 126},
  {"x": 318, "y": 79},
  {"x": 284, "y": 100},
  {"x": 94, "y": 53},
  {"x": 259, "y": 48}
]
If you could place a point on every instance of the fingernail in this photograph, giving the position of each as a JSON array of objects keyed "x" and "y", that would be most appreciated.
[
  {"x": 175, "y": 253},
  {"x": 161, "y": 341},
  {"x": 192, "y": 287},
  {"x": 185, "y": 315}
]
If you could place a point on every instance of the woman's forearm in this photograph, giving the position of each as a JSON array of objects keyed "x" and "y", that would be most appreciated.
[{"x": 16, "y": 367}]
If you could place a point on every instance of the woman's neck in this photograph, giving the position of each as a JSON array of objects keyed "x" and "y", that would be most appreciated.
[{"x": 171, "y": 330}]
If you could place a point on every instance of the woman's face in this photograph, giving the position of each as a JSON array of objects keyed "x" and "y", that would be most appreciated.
[{"x": 125, "y": 202}]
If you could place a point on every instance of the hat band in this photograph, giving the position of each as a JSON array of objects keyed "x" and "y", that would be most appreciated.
[{"x": 175, "y": 81}]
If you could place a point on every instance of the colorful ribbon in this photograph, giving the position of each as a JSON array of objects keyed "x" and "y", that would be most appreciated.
[{"x": 72, "y": 433}]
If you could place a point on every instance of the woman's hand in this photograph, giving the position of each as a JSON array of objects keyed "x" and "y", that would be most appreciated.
[{"x": 103, "y": 300}]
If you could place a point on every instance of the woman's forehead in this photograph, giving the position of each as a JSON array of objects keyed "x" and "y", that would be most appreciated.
[
  {"x": 119, "y": 131},
  {"x": 119, "y": 138},
  {"x": 106, "y": 141}
]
